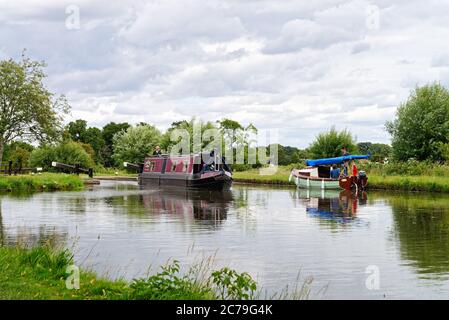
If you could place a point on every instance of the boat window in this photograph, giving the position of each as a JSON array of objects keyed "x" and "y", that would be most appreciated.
[
  {"x": 324, "y": 171},
  {"x": 185, "y": 166},
  {"x": 151, "y": 166},
  {"x": 173, "y": 165}
]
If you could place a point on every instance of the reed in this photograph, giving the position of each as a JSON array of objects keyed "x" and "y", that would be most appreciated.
[{"x": 40, "y": 182}]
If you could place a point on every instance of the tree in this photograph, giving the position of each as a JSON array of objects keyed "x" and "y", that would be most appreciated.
[
  {"x": 378, "y": 151},
  {"x": 135, "y": 143},
  {"x": 18, "y": 152},
  {"x": 328, "y": 144},
  {"x": 67, "y": 152},
  {"x": 108, "y": 133},
  {"x": 94, "y": 137},
  {"x": 28, "y": 110},
  {"x": 188, "y": 126},
  {"x": 421, "y": 127},
  {"x": 77, "y": 129},
  {"x": 79, "y": 132}
]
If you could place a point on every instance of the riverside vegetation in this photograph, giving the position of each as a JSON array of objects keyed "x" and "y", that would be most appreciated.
[
  {"x": 40, "y": 273},
  {"x": 407, "y": 176},
  {"x": 40, "y": 182}
]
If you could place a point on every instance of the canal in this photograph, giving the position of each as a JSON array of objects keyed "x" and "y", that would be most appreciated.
[{"x": 379, "y": 245}]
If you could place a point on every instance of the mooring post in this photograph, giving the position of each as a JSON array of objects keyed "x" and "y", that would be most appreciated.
[
  {"x": 91, "y": 173},
  {"x": 10, "y": 167}
]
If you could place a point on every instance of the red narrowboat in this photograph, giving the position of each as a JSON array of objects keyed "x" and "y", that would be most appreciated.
[{"x": 186, "y": 171}]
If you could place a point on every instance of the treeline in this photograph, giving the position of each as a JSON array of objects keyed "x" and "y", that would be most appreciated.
[
  {"x": 32, "y": 113},
  {"x": 115, "y": 143}
]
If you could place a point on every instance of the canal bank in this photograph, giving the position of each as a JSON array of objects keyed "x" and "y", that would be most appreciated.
[
  {"x": 41, "y": 182},
  {"x": 375, "y": 182},
  {"x": 46, "y": 273}
]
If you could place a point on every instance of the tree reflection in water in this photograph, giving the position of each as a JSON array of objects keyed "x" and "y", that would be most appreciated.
[{"x": 422, "y": 228}]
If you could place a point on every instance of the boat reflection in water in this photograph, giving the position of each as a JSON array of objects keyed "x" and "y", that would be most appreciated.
[
  {"x": 339, "y": 206},
  {"x": 207, "y": 206}
]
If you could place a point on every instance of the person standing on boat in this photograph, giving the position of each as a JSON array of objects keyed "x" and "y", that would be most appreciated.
[
  {"x": 344, "y": 152},
  {"x": 157, "y": 152}
]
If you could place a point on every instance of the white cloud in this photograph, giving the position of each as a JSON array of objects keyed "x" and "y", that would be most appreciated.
[{"x": 297, "y": 66}]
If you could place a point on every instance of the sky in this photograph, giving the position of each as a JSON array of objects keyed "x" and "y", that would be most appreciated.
[{"x": 294, "y": 67}]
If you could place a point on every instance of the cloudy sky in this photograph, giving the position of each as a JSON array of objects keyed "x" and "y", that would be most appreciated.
[{"x": 298, "y": 66}]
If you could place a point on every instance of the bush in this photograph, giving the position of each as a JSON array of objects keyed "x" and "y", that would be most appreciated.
[
  {"x": 168, "y": 284},
  {"x": 329, "y": 144},
  {"x": 67, "y": 152},
  {"x": 406, "y": 168},
  {"x": 233, "y": 285}
]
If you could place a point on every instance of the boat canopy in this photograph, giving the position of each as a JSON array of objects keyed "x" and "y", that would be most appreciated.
[{"x": 336, "y": 160}]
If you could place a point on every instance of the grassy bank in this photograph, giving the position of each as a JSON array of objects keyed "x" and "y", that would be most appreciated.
[
  {"x": 431, "y": 183},
  {"x": 40, "y": 182},
  {"x": 409, "y": 183},
  {"x": 280, "y": 177},
  {"x": 40, "y": 273}
]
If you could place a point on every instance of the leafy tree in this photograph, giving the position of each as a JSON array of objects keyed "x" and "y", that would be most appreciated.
[
  {"x": 378, "y": 151},
  {"x": 421, "y": 127},
  {"x": 188, "y": 126},
  {"x": 108, "y": 133},
  {"x": 135, "y": 143},
  {"x": 328, "y": 144},
  {"x": 68, "y": 152},
  {"x": 28, "y": 110},
  {"x": 94, "y": 137},
  {"x": 77, "y": 129},
  {"x": 287, "y": 155},
  {"x": 18, "y": 152},
  {"x": 79, "y": 132}
]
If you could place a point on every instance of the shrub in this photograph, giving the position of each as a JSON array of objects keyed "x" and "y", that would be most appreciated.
[
  {"x": 329, "y": 144},
  {"x": 234, "y": 285},
  {"x": 167, "y": 284},
  {"x": 67, "y": 152}
]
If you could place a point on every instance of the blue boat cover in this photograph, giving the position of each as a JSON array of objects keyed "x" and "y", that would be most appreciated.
[{"x": 336, "y": 160}]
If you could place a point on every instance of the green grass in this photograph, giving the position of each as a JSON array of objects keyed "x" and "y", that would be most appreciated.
[
  {"x": 40, "y": 273},
  {"x": 102, "y": 171},
  {"x": 409, "y": 183},
  {"x": 40, "y": 182},
  {"x": 431, "y": 183},
  {"x": 280, "y": 177}
]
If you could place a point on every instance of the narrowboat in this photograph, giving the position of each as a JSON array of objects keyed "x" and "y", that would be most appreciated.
[
  {"x": 206, "y": 170},
  {"x": 317, "y": 175}
]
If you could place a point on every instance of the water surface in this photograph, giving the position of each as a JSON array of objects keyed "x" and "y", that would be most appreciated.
[{"x": 274, "y": 234}]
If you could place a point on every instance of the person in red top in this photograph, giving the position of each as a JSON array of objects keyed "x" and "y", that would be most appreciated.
[{"x": 354, "y": 170}]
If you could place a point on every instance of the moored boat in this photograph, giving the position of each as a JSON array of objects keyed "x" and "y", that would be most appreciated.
[
  {"x": 185, "y": 171},
  {"x": 317, "y": 175}
]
